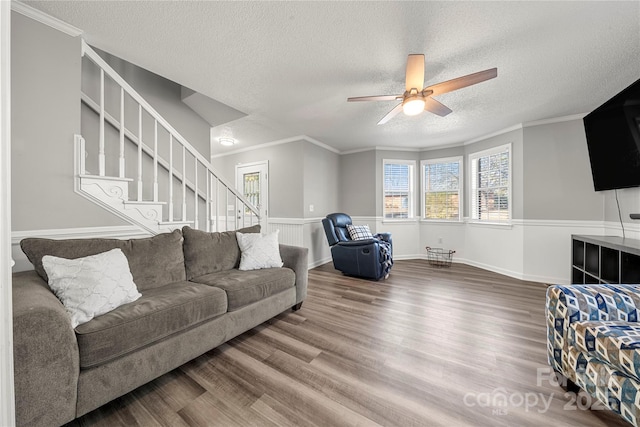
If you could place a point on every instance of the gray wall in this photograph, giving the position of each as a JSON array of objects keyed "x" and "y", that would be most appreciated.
[
  {"x": 45, "y": 73},
  {"x": 629, "y": 199},
  {"x": 300, "y": 174},
  {"x": 321, "y": 181},
  {"x": 557, "y": 175},
  {"x": 358, "y": 183},
  {"x": 286, "y": 177}
]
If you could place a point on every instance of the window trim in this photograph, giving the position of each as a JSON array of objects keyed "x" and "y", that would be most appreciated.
[
  {"x": 412, "y": 189},
  {"x": 452, "y": 159},
  {"x": 473, "y": 214}
]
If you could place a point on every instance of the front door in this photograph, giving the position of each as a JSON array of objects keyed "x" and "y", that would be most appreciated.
[{"x": 252, "y": 182}]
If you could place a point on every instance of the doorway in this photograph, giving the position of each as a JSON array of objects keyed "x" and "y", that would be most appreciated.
[{"x": 252, "y": 180}]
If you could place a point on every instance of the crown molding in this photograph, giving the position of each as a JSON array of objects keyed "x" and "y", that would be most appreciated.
[
  {"x": 555, "y": 120},
  {"x": 279, "y": 142},
  {"x": 38, "y": 15},
  {"x": 496, "y": 133},
  {"x": 518, "y": 126},
  {"x": 359, "y": 150}
]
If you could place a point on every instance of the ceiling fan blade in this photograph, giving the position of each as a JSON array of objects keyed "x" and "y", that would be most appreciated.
[
  {"x": 415, "y": 72},
  {"x": 460, "y": 82},
  {"x": 436, "y": 107},
  {"x": 391, "y": 114},
  {"x": 375, "y": 98}
]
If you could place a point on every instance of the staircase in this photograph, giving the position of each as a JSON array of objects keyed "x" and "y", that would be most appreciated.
[{"x": 150, "y": 176}]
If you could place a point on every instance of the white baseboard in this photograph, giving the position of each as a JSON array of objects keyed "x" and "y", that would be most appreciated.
[{"x": 318, "y": 263}]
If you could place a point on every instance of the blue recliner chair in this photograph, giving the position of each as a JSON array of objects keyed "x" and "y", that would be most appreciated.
[{"x": 361, "y": 258}]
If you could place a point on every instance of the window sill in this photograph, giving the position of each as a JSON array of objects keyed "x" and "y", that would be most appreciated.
[
  {"x": 400, "y": 221},
  {"x": 490, "y": 224},
  {"x": 442, "y": 221}
]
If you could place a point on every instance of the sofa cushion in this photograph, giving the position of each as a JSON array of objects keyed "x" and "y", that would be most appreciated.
[
  {"x": 206, "y": 253},
  {"x": 246, "y": 287},
  {"x": 154, "y": 261},
  {"x": 159, "y": 313}
]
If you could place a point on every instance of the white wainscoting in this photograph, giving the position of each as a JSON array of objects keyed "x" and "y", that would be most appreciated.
[
  {"x": 291, "y": 230},
  {"x": 534, "y": 250},
  {"x": 305, "y": 232}
]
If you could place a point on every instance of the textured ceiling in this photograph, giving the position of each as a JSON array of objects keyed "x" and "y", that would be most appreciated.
[{"x": 290, "y": 66}]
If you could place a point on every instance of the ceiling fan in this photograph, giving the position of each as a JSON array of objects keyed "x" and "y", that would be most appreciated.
[{"x": 417, "y": 98}]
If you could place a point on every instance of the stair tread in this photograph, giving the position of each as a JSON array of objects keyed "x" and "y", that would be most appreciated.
[
  {"x": 106, "y": 178},
  {"x": 143, "y": 202}
]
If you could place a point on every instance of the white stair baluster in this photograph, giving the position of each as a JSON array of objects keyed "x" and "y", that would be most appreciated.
[
  {"x": 195, "y": 193},
  {"x": 226, "y": 210},
  {"x": 121, "y": 164},
  {"x": 155, "y": 160},
  {"x": 139, "y": 152},
  {"x": 217, "y": 205},
  {"x": 208, "y": 202},
  {"x": 101, "y": 156},
  {"x": 184, "y": 186},
  {"x": 170, "y": 177}
]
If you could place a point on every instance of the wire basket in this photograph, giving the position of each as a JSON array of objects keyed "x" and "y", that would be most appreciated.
[{"x": 439, "y": 257}]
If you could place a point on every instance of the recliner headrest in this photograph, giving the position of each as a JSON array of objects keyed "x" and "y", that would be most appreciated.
[{"x": 340, "y": 219}]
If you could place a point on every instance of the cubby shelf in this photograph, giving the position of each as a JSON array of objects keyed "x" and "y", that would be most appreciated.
[{"x": 604, "y": 259}]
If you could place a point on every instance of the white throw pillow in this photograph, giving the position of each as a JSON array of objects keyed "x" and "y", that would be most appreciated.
[
  {"x": 258, "y": 251},
  {"x": 359, "y": 232},
  {"x": 91, "y": 286}
]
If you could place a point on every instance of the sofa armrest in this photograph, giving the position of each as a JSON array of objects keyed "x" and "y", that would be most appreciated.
[
  {"x": 577, "y": 303},
  {"x": 45, "y": 351},
  {"x": 297, "y": 259}
]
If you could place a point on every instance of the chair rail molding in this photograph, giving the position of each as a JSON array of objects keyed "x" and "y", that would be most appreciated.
[{"x": 111, "y": 232}]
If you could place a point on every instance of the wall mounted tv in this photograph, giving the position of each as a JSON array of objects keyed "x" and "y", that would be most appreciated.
[{"x": 613, "y": 139}]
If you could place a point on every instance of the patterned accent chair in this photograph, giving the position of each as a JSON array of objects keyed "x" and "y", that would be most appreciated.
[
  {"x": 593, "y": 340},
  {"x": 370, "y": 258}
]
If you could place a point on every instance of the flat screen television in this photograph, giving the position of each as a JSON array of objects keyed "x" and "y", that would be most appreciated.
[{"x": 613, "y": 140}]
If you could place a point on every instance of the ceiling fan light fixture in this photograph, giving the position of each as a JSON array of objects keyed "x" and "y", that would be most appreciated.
[{"x": 413, "y": 106}]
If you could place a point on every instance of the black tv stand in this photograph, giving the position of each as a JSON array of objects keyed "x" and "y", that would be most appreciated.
[{"x": 605, "y": 259}]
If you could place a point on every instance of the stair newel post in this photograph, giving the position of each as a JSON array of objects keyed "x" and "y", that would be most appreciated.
[
  {"x": 139, "y": 152},
  {"x": 184, "y": 184},
  {"x": 155, "y": 160},
  {"x": 101, "y": 158},
  {"x": 170, "y": 177},
  {"x": 121, "y": 162}
]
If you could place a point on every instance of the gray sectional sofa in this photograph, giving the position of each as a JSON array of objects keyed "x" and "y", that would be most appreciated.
[{"x": 194, "y": 298}]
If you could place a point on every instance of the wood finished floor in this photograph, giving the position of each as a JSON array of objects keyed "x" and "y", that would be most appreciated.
[{"x": 427, "y": 347}]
